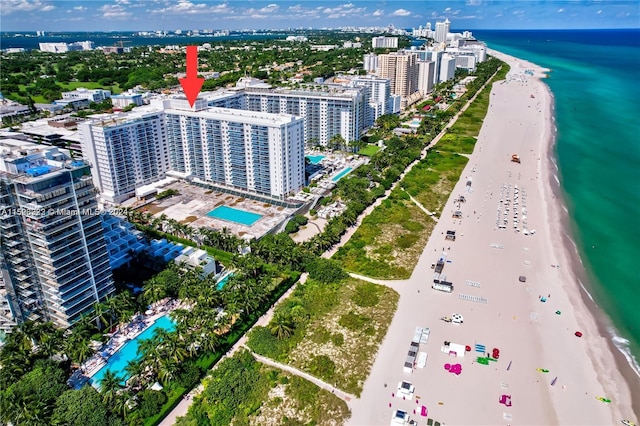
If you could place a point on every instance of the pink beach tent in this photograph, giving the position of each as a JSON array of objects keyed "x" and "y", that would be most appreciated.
[{"x": 423, "y": 411}]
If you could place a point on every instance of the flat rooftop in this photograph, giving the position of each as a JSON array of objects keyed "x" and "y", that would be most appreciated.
[{"x": 238, "y": 115}]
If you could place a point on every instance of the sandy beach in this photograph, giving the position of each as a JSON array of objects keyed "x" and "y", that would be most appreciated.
[{"x": 551, "y": 375}]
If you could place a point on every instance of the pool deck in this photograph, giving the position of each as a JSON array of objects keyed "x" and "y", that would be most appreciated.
[
  {"x": 193, "y": 203},
  {"x": 127, "y": 333}
]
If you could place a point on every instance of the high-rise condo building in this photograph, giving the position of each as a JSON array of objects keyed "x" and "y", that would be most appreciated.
[
  {"x": 370, "y": 62},
  {"x": 401, "y": 68},
  {"x": 54, "y": 264},
  {"x": 126, "y": 151},
  {"x": 426, "y": 71},
  {"x": 447, "y": 67},
  {"x": 327, "y": 112},
  {"x": 246, "y": 150},
  {"x": 442, "y": 30},
  {"x": 383, "y": 42}
]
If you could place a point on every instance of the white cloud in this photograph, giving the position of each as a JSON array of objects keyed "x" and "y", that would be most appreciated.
[
  {"x": 378, "y": 12},
  {"x": 270, "y": 8},
  {"x": 114, "y": 11},
  {"x": 80, "y": 8},
  {"x": 599, "y": 12},
  {"x": 474, "y": 2},
  {"x": 186, "y": 7},
  {"x": 11, "y": 6},
  {"x": 343, "y": 10},
  {"x": 401, "y": 12},
  {"x": 560, "y": 10}
]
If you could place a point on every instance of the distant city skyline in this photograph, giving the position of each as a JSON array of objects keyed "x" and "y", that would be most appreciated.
[{"x": 171, "y": 15}]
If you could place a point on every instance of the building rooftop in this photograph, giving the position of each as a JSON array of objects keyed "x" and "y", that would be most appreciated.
[{"x": 238, "y": 115}]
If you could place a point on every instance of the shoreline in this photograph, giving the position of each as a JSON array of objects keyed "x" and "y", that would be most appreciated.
[
  {"x": 605, "y": 325},
  {"x": 536, "y": 337}
]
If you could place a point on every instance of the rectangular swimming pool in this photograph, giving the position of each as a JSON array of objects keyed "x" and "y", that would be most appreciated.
[
  {"x": 223, "y": 281},
  {"x": 230, "y": 214},
  {"x": 315, "y": 159},
  {"x": 129, "y": 352},
  {"x": 341, "y": 174}
]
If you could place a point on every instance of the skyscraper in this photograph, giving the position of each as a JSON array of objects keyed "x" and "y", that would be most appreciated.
[
  {"x": 126, "y": 151},
  {"x": 54, "y": 264},
  {"x": 442, "y": 29},
  {"x": 246, "y": 150},
  {"x": 401, "y": 68},
  {"x": 370, "y": 62},
  {"x": 426, "y": 71}
]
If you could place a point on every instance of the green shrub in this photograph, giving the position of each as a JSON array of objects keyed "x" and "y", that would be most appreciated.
[
  {"x": 151, "y": 401},
  {"x": 325, "y": 270},
  {"x": 337, "y": 339},
  {"x": 323, "y": 367},
  {"x": 353, "y": 321},
  {"x": 366, "y": 295}
]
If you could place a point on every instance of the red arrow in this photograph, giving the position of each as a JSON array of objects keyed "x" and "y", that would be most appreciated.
[{"x": 192, "y": 84}]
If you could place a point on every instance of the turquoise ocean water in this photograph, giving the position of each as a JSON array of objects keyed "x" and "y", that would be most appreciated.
[{"x": 595, "y": 80}]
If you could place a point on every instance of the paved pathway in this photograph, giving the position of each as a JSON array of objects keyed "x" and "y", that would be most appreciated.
[
  {"x": 324, "y": 385},
  {"x": 421, "y": 207}
]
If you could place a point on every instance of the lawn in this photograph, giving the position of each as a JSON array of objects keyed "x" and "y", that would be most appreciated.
[
  {"x": 369, "y": 150},
  {"x": 338, "y": 329},
  {"x": 72, "y": 85}
]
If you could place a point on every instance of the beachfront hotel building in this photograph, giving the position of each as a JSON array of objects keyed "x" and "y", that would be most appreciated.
[
  {"x": 238, "y": 149},
  {"x": 54, "y": 264},
  {"x": 126, "y": 151}
]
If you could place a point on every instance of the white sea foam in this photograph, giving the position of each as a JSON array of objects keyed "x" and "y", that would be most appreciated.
[
  {"x": 575, "y": 249},
  {"x": 587, "y": 292},
  {"x": 622, "y": 345}
]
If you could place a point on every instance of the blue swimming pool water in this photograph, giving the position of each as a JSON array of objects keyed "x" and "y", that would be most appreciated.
[
  {"x": 315, "y": 159},
  {"x": 234, "y": 215},
  {"x": 129, "y": 352},
  {"x": 341, "y": 174},
  {"x": 223, "y": 281}
]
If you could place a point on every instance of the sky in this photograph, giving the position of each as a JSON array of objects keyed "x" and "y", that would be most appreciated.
[{"x": 170, "y": 15}]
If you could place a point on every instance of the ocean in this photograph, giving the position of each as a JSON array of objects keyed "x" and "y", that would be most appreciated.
[
  {"x": 594, "y": 80},
  {"x": 29, "y": 41}
]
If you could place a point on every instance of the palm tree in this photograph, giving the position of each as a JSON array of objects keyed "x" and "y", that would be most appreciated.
[
  {"x": 133, "y": 368},
  {"x": 51, "y": 343},
  {"x": 77, "y": 348},
  {"x": 154, "y": 290},
  {"x": 281, "y": 326},
  {"x": 109, "y": 386}
]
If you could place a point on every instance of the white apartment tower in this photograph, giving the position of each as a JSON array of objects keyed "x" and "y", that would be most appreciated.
[
  {"x": 245, "y": 150},
  {"x": 442, "y": 29},
  {"x": 426, "y": 71},
  {"x": 54, "y": 264},
  {"x": 370, "y": 62},
  {"x": 383, "y": 42},
  {"x": 126, "y": 151},
  {"x": 447, "y": 67}
]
